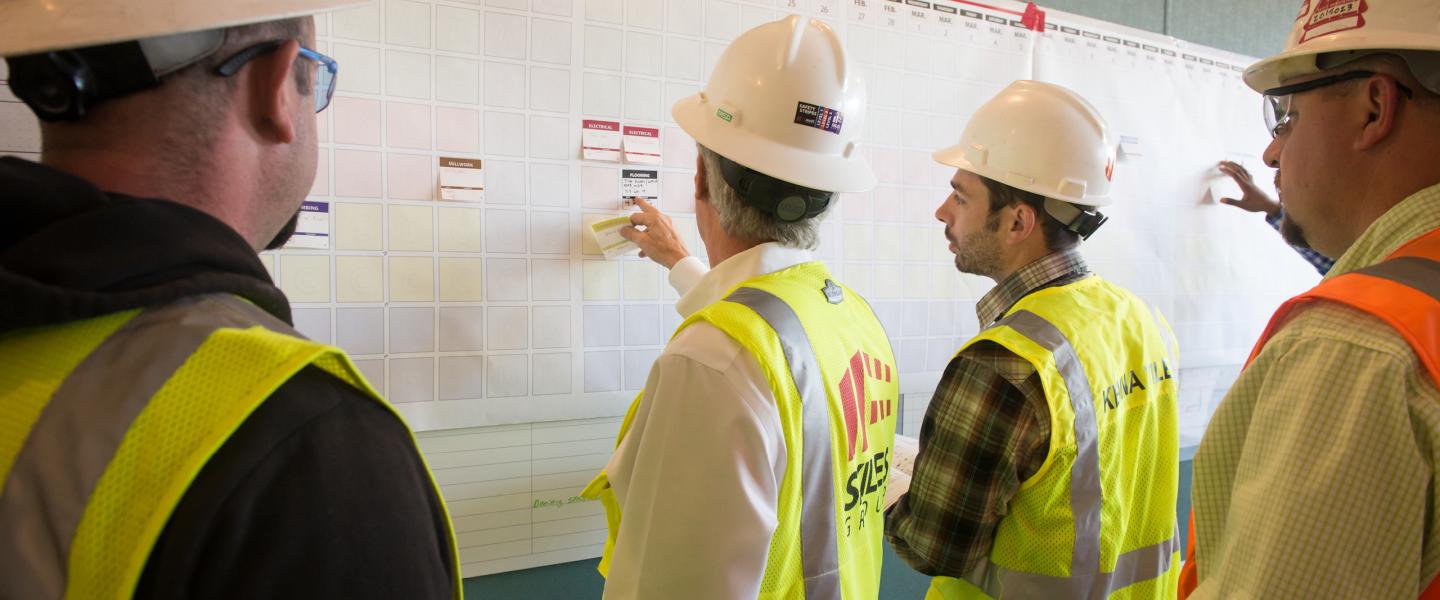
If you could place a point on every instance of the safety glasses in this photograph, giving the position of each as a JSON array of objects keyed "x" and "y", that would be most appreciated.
[
  {"x": 1277, "y": 100},
  {"x": 324, "y": 77}
]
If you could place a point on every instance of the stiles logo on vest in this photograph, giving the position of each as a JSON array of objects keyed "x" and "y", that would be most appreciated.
[{"x": 865, "y": 485}]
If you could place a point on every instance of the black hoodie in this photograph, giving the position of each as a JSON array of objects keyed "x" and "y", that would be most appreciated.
[{"x": 320, "y": 493}]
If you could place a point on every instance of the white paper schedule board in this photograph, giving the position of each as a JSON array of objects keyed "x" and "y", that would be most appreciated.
[{"x": 471, "y": 145}]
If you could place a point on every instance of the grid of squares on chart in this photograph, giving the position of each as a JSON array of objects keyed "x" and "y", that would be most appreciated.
[
  {"x": 924, "y": 78},
  {"x": 504, "y": 298}
]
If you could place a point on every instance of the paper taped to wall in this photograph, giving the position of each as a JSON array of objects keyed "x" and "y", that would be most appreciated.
[
  {"x": 462, "y": 179},
  {"x": 312, "y": 226}
]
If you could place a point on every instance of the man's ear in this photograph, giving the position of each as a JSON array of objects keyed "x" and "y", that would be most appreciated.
[
  {"x": 1382, "y": 99},
  {"x": 702, "y": 186},
  {"x": 1022, "y": 223},
  {"x": 273, "y": 93}
]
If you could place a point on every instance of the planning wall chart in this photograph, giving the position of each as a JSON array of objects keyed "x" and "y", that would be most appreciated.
[{"x": 445, "y": 253}]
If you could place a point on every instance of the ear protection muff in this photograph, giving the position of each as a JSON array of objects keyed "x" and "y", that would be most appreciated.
[
  {"x": 781, "y": 199},
  {"x": 1084, "y": 222},
  {"x": 66, "y": 84}
]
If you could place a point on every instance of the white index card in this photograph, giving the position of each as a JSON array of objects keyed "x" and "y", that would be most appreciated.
[
  {"x": 462, "y": 179},
  {"x": 312, "y": 226},
  {"x": 1130, "y": 147},
  {"x": 607, "y": 236},
  {"x": 642, "y": 183},
  {"x": 600, "y": 140},
  {"x": 642, "y": 145}
]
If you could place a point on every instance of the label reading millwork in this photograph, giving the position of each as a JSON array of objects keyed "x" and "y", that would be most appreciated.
[
  {"x": 819, "y": 117},
  {"x": 462, "y": 179},
  {"x": 312, "y": 226}
]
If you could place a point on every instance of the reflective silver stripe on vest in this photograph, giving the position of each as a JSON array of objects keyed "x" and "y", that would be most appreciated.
[
  {"x": 1421, "y": 274},
  {"x": 81, "y": 428},
  {"x": 819, "y": 545},
  {"x": 1086, "y": 580}
]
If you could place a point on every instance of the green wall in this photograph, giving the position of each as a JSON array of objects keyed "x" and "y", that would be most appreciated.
[{"x": 1253, "y": 27}]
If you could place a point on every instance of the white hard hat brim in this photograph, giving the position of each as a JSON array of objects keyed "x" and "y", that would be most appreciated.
[
  {"x": 954, "y": 156},
  {"x": 1272, "y": 72},
  {"x": 33, "y": 26},
  {"x": 831, "y": 173}
]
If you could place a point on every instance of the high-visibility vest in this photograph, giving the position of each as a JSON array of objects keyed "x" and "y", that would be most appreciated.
[
  {"x": 106, "y": 422},
  {"x": 830, "y": 367},
  {"x": 1098, "y": 518},
  {"x": 1404, "y": 292}
]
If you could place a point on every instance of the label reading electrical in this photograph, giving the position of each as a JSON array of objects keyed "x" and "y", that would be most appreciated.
[
  {"x": 819, "y": 117},
  {"x": 642, "y": 145},
  {"x": 600, "y": 140}
]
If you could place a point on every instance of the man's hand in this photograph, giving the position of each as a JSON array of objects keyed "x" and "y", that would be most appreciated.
[
  {"x": 1252, "y": 198},
  {"x": 658, "y": 241}
]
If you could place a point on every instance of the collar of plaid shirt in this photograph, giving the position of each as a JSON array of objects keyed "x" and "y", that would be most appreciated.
[{"x": 1063, "y": 265}]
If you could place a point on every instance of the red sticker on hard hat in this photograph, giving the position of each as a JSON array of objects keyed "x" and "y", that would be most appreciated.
[
  {"x": 1109, "y": 169},
  {"x": 819, "y": 117},
  {"x": 1333, "y": 16},
  {"x": 1304, "y": 9}
]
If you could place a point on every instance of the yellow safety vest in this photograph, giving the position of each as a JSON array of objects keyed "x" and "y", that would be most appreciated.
[
  {"x": 106, "y": 422},
  {"x": 830, "y": 367},
  {"x": 1098, "y": 519}
]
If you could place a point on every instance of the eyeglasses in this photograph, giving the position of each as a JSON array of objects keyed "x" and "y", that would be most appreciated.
[
  {"x": 324, "y": 78},
  {"x": 1278, "y": 100}
]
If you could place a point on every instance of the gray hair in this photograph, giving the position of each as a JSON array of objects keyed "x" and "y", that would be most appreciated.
[{"x": 741, "y": 220}]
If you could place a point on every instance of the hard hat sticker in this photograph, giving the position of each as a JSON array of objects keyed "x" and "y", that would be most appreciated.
[
  {"x": 819, "y": 117},
  {"x": 1331, "y": 16}
]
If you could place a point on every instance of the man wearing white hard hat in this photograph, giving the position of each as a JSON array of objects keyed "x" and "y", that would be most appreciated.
[
  {"x": 1048, "y": 460},
  {"x": 1317, "y": 475},
  {"x": 754, "y": 462},
  {"x": 167, "y": 433}
]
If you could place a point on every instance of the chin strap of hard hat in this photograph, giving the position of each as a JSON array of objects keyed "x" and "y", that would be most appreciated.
[
  {"x": 781, "y": 199},
  {"x": 65, "y": 85},
  {"x": 1082, "y": 222}
]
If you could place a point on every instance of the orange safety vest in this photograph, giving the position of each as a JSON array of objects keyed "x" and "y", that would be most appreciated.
[{"x": 1403, "y": 291}]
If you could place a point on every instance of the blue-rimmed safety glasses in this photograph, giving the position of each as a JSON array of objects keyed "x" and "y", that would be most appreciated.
[
  {"x": 1277, "y": 100},
  {"x": 324, "y": 77}
]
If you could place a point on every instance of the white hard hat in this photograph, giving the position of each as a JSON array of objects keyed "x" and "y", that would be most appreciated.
[
  {"x": 1041, "y": 138},
  {"x": 1326, "y": 26},
  {"x": 784, "y": 101},
  {"x": 31, "y": 26}
]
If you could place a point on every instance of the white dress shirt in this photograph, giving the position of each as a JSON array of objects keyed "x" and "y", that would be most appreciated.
[{"x": 698, "y": 474}]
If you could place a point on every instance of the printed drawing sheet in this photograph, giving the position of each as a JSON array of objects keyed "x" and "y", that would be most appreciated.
[{"x": 471, "y": 145}]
